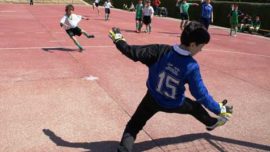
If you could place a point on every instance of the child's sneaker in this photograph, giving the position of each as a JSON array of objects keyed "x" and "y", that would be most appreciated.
[
  {"x": 90, "y": 36},
  {"x": 220, "y": 122},
  {"x": 81, "y": 49}
]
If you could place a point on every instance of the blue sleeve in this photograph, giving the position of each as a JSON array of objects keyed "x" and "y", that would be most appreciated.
[{"x": 199, "y": 91}]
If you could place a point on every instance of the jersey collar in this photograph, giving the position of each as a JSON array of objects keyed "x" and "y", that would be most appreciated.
[{"x": 181, "y": 51}]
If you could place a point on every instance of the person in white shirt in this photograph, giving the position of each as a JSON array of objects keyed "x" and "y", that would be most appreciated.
[
  {"x": 148, "y": 13},
  {"x": 107, "y": 6},
  {"x": 96, "y": 4},
  {"x": 70, "y": 23}
]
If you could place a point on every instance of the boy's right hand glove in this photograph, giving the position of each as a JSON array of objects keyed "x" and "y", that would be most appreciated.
[
  {"x": 226, "y": 111},
  {"x": 115, "y": 34}
]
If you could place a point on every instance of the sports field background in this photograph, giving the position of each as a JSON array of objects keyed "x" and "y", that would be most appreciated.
[{"x": 54, "y": 98}]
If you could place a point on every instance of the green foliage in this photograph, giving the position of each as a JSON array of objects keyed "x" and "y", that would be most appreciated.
[
  {"x": 252, "y": 1},
  {"x": 221, "y": 9}
]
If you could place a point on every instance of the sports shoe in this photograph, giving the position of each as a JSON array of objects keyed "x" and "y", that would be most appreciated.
[
  {"x": 90, "y": 36},
  {"x": 81, "y": 49},
  {"x": 220, "y": 122}
]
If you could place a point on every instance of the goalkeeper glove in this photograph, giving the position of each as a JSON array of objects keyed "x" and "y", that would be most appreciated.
[
  {"x": 115, "y": 35},
  {"x": 225, "y": 110}
]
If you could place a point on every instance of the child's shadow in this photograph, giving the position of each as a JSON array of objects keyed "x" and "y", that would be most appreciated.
[
  {"x": 111, "y": 146},
  {"x": 58, "y": 49}
]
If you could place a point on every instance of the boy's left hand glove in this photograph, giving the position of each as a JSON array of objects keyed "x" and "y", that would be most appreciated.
[
  {"x": 116, "y": 35},
  {"x": 226, "y": 111}
]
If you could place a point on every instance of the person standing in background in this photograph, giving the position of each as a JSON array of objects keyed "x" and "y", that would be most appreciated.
[
  {"x": 207, "y": 15},
  {"x": 107, "y": 6},
  {"x": 139, "y": 16},
  {"x": 148, "y": 13},
  {"x": 183, "y": 5},
  {"x": 155, "y": 5}
]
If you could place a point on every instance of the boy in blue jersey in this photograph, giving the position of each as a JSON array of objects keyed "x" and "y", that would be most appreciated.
[
  {"x": 207, "y": 15},
  {"x": 170, "y": 68}
]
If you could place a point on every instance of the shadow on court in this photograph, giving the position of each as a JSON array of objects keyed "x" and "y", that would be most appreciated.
[
  {"x": 59, "y": 49},
  {"x": 213, "y": 140}
]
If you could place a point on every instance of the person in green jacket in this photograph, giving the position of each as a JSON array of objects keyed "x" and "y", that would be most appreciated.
[
  {"x": 139, "y": 15},
  {"x": 234, "y": 19},
  {"x": 183, "y": 5}
]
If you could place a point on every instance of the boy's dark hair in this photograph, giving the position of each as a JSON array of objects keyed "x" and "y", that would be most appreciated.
[
  {"x": 69, "y": 7},
  {"x": 195, "y": 32}
]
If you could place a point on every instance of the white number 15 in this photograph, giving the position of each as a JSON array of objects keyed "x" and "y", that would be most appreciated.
[{"x": 167, "y": 85}]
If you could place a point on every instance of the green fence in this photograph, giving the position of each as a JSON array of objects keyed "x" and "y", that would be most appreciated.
[{"x": 221, "y": 10}]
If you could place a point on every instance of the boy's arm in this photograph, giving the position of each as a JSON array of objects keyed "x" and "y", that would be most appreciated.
[
  {"x": 85, "y": 18},
  {"x": 62, "y": 21},
  {"x": 147, "y": 54},
  {"x": 194, "y": 4},
  {"x": 200, "y": 92}
]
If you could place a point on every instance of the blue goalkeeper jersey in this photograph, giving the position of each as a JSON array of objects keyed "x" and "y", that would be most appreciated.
[{"x": 170, "y": 68}]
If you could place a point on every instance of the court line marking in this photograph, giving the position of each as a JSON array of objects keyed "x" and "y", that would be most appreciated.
[
  {"x": 235, "y": 52},
  {"x": 48, "y": 47}
]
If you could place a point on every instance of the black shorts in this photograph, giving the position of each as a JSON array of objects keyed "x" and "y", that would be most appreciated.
[
  {"x": 184, "y": 16},
  {"x": 74, "y": 31},
  {"x": 96, "y": 4},
  {"x": 147, "y": 20},
  {"x": 107, "y": 11},
  {"x": 138, "y": 19}
]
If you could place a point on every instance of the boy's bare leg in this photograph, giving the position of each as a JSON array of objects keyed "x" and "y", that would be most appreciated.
[
  {"x": 87, "y": 35},
  {"x": 186, "y": 22},
  {"x": 77, "y": 43},
  {"x": 181, "y": 25}
]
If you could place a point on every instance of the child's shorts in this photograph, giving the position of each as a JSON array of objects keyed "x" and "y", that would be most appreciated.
[
  {"x": 96, "y": 4},
  {"x": 138, "y": 19},
  {"x": 107, "y": 11},
  {"x": 184, "y": 16},
  {"x": 147, "y": 20},
  {"x": 74, "y": 31}
]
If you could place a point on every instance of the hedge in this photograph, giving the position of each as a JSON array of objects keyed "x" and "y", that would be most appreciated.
[{"x": 221, "y": 10}]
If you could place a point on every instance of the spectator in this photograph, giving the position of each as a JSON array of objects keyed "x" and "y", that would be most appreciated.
[
  {"x": 163, "y": 11},
  {"x": 256, "y": 24},
  {"x": 155, "y": 5},
  {"x": 107, "y": 6},
  {"x": 125, "y": 7},
  {"x": 243, "y": 22},
  {"x": 139, "y": 16},
  {"x": 132, "y": 7},
  {"x": 31, "y": 2},
  {"x": 207, "y": 15},
  {"x": 234, "y": 19},
  {"x": 183, "y": 5},
  {"x": 148, "y": 13}
]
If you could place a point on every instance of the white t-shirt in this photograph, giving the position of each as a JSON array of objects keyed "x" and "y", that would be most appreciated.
[
  {"x": 96, "y": 1},
  {"x": 148, "y": 11},
  {"x": 107, "y": 4},
  {"x": 71, "y": 21}
]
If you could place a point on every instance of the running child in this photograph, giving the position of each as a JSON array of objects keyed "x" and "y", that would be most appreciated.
[
  {"x": 170, "y": 68},
  {"x": 148, "y": 13},
  {"x": 107, "y": 6},
  {"x": 70, "y": 23},
  {"x": 139, "y": 16}
]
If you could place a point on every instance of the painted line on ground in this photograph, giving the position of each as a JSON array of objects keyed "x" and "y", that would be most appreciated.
[
  {"x": 235, "y": 52},
  {"x": 47, "y": 47}
]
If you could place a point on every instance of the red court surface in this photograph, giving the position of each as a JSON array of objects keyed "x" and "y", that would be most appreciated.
[{"x": 56, "y": 99}]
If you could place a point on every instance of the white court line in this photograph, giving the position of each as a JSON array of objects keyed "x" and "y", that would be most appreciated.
[
  {"x": 7, "y": 11},
  {"x": 48, "y": 47},
  {"x": 234, "y": 52}
]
